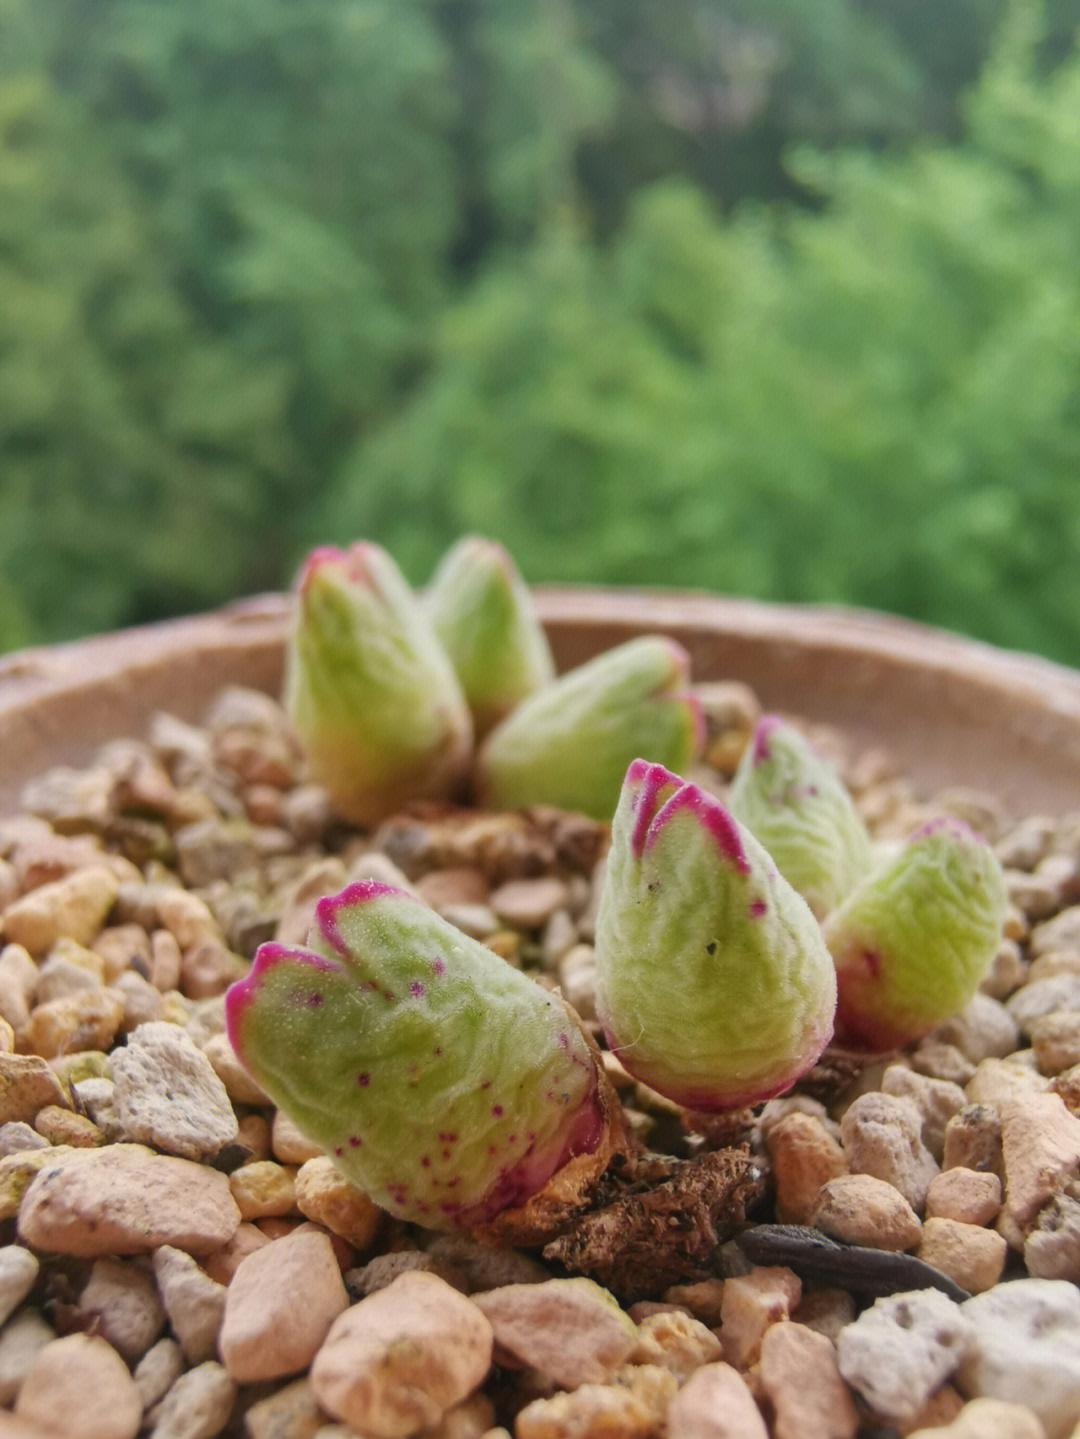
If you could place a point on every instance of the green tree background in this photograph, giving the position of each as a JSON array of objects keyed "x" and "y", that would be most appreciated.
[{"x": 766, "y": 297}]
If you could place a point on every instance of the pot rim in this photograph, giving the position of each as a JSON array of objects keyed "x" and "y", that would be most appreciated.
[{"x": 952, "y": 709}]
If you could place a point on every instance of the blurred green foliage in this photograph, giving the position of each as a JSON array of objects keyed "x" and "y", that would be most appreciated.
[{"x": 769, "y": 297}]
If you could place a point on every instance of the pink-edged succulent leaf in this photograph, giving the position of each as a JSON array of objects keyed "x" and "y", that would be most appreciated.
[
  {"x": 913, "y": 942},
  {"x": 797, "y": 806},
  {"x": 714, "y": 985},
  {"x": 440, "y": 1079},
  {"x": 569, "y": 745},
  {"x": 483, "y": 613},
  {"x": 369, "y": 690}
]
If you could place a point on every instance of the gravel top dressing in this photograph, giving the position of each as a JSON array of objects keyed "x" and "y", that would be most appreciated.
[{"x": 891, "y": 1247}]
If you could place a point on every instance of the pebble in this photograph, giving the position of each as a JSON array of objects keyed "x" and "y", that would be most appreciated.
[
  {"x": 58, "y": 1125},
  {"x": 826, "y": 1311},
  {"x": 592, "y": 1411},
  {"x": 18, "y": 1271},
  {"x": 17, "y": 1136},
  {"x": 973, "y": 1140},
  {"x": 859, "y": 1209},
  {"x": 324, "y": 1195},
  {"x": 1061, "y": 932},
  {"x": 288, "y": 1143},
  {"x": 239, "y": 1085},
  {"x": 750, "y": 1303},
  {"x": 21, "y": 1339},
  {"x": 901, "y": 1349},
  {"x": 158, "y": 1370},
  {"x": 882, "y": 1137},
  {"x": 193, "y": 1301},
  {"x": 569, "y": 1329},
  {"x": 800, "y": 1379},
  {"x": 188, "y": 918},
  {"x": 168, "y": 1095},
  {"x": 27, "y": 1084},
  {"x": 805, "y": 1156},
  {"x": 1043, "y": 996},
  {"x": 223, "y": 1263},
  {"x": 715, "y": 1403},
  {"x": 996, "y": 1081},
  {"x": 59, "y": 976},
  {"x": 938, "y": 1060},
  {"x": 1052, "y": 1249},
  {"x": 1040, "y": 1142},
  {"x": 18, "y": 1171},
  {"x": 123, "y": 947},
  {"x": 165, "y": 960},
  {"x": 477, "y": 920},
  {"x": 676, "y": 1342},
  {"x": 987, "y": 1419},
  {"x": 1055, "y": 1038},
  {"x": 983, "y": 1029},
  {"x": 528, "y": 903},
  {"x": 398, "y": 1360},
  {"x": 577, "y": 979},
  {"x": 81, "y": 1379},
  {"x": 123, "y": 1199},
  {"x": 968, "y": 1253},
  {"x": 292, "y": 1412},
  {"x": 1026, "y": 1349},
  {"x": 969, "y": 1195},
  {"x": 120, "y": 1296},
  {"x": 18, "y": 975},
  {"x": 937, "y": 1100},
  {"x": 264, "y": 1188},
  {"x": 280, "y": 1306},
  {"x": 75, "y": 906},
  {"x": 198, "y": 1405}
]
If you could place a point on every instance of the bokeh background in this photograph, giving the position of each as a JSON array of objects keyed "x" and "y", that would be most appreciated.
[{"x": 777, "y": 298}]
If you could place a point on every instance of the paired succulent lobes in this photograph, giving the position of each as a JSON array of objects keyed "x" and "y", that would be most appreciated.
[
  {"x": 714, "y": 985},
  {"x": 369, "y": 690},
  {"x": 440, "y": 1079}
]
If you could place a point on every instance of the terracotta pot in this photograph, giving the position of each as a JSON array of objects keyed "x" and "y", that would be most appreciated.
[{"x": 953, "y": 711}]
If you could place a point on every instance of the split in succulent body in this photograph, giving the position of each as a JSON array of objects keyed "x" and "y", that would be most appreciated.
[
  {"x": 714, "y": 985},
  {"x": 797, "y": 806},
  {"x": 481, "y": 611},
  {"x": 569, "y": 745},
  {"x": 441, "y": 1080},
  {"x": 914, "y": 940},
  {"x": 369, "y": 690}
]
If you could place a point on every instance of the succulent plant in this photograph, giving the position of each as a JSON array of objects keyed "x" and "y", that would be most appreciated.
[
  {"x": 482, "y": 612},
  {"x": 913, "y": 941},
  {"x": 714, "y": 985},
  {"x": 569, "y": 745},
  {"x": 798, "y": 807},
  {"x": 369, "y": 690},
  {"x": 442, "y": 1081}
]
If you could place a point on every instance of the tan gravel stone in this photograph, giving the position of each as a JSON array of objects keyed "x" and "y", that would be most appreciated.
[
  {"x": 197, "y": 1406},
  {"x": 973, "y": 1140},
  {"x": 81, "y": 1382},
  {"x": 1041, "y": 1147},
  {"x": 18, "y": 1171},
  {"x": 528, "y": 903},
  {"x": 18, "y": 1271},
  {"x": 702, "y": 1299},
  {"x": 291, "y": 1412},
  {"x": 987, "y": 1419},
  {"x": 882, "y": 1137},
  {"x": 969, "y": 1195},
  {"x": 123, "y": 1199},
  {"x": 715, "y": 1403},
  {"x": 595, "y": 1411},
  {"x": 223, "y": 1263},
  {"x": 569, "y": 1329},
  {"x": 18, "y": 976},
  {"x": 76, "y": 906},
  {"x": 123, "y": 947},
  {"x": 398, "y": 1360},
  {"x": 279, "y": 1307},
  {"x": 802, "y": 1383},
  {"x": 1055, "y": 1038},
  {"x": 158, "y": 1370},
  {"x": 27, "y": 1085},
  {"x": 288, "y": 1143},
  {"x": 121, "y": 1296},
  {"x": 860, "y": 1209},
  {"x": 937, "y": 1100},
  {"x": 676, "y": 1342},
  {"x": 264, "y": 1188},
  {"x": 751, "y": 1303},
  {"x": 168, "y": 1095},
  {"x": 996, "y": 1081},
  {"x": 193, "y": 1301},
  {"x": 188, "y": 918},
  {"x": 68, "y": 967},
  {"x": 326, "y": 1196},
  {"x": 239, "y": 1085},
  {"x": 21, "y": 1338},
  {"x": 87, "y": 1019},
  {"x": 825, "y": 1311},
  {"x": 253, "y": 1133},
  {"x": 969, "y": 1253},
  {"x": 805, "y": 1156},
  {"x": 63, "y": 1126},
  {"x": 165, "y": 959}
]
